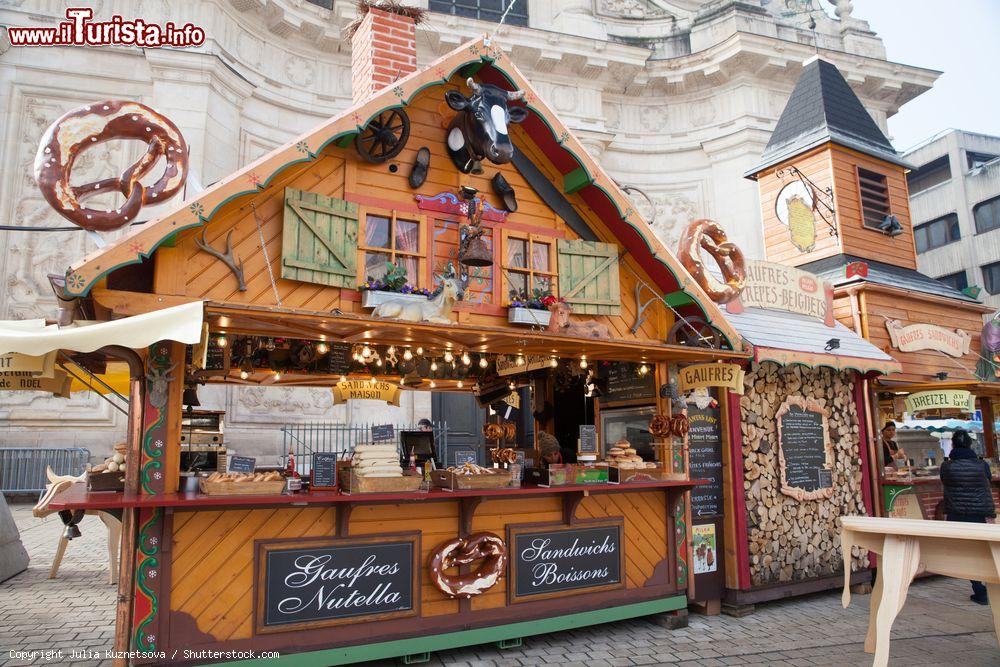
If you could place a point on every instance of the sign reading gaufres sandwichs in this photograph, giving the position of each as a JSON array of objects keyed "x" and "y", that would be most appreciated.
[
  {"x": 920, "y": 336},
  {"x": 780, "y": 287}
]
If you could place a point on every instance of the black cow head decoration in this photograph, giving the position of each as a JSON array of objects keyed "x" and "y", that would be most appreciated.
[{"x": 479, "y": 130}]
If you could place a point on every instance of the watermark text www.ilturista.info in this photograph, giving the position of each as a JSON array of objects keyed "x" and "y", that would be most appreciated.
[{"x": 81, "y": 30}]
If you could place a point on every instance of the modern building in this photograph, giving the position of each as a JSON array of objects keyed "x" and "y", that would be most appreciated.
[
  {"x": 675, "y": 98},
  {"x": 955, "y": 204}
]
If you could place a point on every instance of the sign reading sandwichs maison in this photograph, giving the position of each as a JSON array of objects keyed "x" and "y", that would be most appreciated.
[{"x": 780, "y": 287}]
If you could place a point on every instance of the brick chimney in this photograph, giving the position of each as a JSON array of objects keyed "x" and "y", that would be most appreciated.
[{"x": 383, "y": 49}]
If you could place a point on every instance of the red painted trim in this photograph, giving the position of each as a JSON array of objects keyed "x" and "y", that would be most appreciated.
[
  {"x": 863, "y": 445},
  {"x": 739, "y": 493}
]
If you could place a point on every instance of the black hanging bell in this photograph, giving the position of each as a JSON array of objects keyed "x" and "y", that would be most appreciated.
[{"x": 474, "y": 252}]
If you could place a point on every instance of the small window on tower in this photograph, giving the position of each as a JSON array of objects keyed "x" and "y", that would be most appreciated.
[{"x": 874, "y": 198}]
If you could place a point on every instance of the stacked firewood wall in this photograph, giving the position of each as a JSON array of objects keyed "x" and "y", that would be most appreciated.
[{"x": 794, "y": 540}]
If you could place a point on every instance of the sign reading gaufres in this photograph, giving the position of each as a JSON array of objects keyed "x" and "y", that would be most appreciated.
[
  {"x": 916, "y": 337},
  {"x": 780, "y": 287},
  {"x": 699, "y": 376},
  {"x": 562, "y": 561},
  {"x": 316, "y": 582}
]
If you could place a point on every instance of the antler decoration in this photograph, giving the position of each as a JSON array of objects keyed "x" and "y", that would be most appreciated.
[{"x": 227, "y": 257}]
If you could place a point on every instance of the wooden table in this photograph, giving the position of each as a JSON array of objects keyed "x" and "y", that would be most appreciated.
[{"x": 908, "y": 546}]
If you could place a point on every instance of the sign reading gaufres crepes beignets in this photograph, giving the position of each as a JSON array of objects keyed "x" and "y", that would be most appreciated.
[
  {"x": 780, "y": 287},
  {"x": 547, "y": 562},
  {"x": 317, "y": 582}
]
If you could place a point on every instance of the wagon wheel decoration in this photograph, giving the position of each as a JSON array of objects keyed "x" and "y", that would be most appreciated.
[
  {"x": 694, "y": 332},
  {"x": 384, "y": 137}
]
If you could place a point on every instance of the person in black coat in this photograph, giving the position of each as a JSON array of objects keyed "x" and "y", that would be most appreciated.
[{"x": 967, "y": 492}]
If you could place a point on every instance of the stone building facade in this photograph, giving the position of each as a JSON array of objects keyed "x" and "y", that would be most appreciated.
[{"x": 676, "y": 98}]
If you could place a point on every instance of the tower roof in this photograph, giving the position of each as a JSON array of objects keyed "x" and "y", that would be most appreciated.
[{"x": 823, "y": 108}]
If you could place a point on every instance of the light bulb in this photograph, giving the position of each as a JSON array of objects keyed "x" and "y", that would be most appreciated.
[
  {"x": 553, "y": 362},
  {"x": 466, "y": 359},
  {"x": 322, "y": 348},
  {"x": 483, "y": 363},
  {"x": 459, "y": 384},
  {"x": 378, "y": 362},
  {"x": 512, "y": 386},
  {"x": 583, "y": 363},
  {"x": 520, "y": 359},
  {"x": 221, "y": 341},
  {"x": 372, "y": 381},
  {"x": 420, "y": 350},
  {"x": 402, "y": 381},
  {"x": 643, "y": 369},
  {"x": 366, "y": 352},
  {"x": 244, "y": 375},
  {"x": 277, "y": 375},
  {"x": 449, "y": 357},
  {"x": 407, "y": 356},
  {"x": 434, "y": 365},
  {"x": 391, "y": 351},
  {"x": 343, "y": 378},
  {"x": 433, "y": 384}
]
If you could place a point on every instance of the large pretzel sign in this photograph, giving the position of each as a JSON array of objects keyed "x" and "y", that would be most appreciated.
[
  {"x": 487, "y": 549},
  {"x": 88, "y": 126},
  {"x": 709, "y": 235}
]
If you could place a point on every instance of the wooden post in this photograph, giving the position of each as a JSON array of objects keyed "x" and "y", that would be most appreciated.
[{"x": 989, "y": 434}]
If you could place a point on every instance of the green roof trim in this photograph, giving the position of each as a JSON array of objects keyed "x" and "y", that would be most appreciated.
[{"x": 576, "y": 180}]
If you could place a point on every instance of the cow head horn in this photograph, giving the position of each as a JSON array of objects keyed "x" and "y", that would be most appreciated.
[
  {"x": 515, "y": 94},
  {"x": 475, "y": 87}
]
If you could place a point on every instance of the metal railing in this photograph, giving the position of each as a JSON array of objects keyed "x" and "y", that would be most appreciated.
[
  {"x": 22, "y": 469},
  {"x": 309, "y": 438}
]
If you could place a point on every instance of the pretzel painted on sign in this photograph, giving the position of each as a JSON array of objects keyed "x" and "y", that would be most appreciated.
[
  {"x": 485, "y": 547},
  {"x": 88, "y": 126},
  {"x": 708, "y": 235}
]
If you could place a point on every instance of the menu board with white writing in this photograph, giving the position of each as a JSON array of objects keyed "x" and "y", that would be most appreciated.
[
  {"x": 705, "y": 459},
  {"x": 804, "y": 451},
  {"x": 565, "y": 561},
  {"x": 316, "y": 582}
]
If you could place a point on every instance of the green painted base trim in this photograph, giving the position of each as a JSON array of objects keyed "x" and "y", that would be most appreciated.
[
  {"x": 676, "y": 299},
  {"x": 415, "y": 646}
]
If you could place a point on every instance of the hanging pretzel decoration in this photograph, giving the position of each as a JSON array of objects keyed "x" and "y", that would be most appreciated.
[
  {"x": 659, "y": 426},
  {"x": 708, "y": 235},
  {"x": 493, "y": 431},
  {"x": 88, "y": 126},
  {"x": 680, "y": 425},
  {"x": 487, "y": 548}
]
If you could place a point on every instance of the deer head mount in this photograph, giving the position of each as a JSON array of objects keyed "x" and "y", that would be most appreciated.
[
  {"x": 159, "y": 383},
  {"x": 227, "y": 256}
]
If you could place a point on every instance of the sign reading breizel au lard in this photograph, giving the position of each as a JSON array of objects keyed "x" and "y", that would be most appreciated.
[
  {"x": 698, "y": 376},
  {"x": 948, "y": 399},
  {"x": 780, "y": 287}
]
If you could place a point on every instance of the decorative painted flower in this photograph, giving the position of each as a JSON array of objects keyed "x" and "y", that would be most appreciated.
[
  {"x": 150, "y": 639},
  {"x": 136, "y": 247},
  {"x": 153, "y": 541},
  {"x": 75, "y": 280},
  {"x": 397, "y": 91},
  {"x": 158, "y": 444},
  {"x": 197, "y": 208},
  {"x": 563, "y": 137},
  {"x": 440, "y": 73},
  {"x": 157, "y": 475},
  {"x": 302, "y": 147},
  {"x": 151, "y": 574},
  {"x": 254, "y": 179},
  {"x": 357, "y": 118}
]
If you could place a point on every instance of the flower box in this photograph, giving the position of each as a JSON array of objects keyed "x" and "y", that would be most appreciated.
[
  {"x": 530, "y": 316},
  {"x": 371, "y": 298}
]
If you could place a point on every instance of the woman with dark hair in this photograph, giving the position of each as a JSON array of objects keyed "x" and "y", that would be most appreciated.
[
  {"x": 890, "y": 450},
  {"x": 967, "y": 493}
]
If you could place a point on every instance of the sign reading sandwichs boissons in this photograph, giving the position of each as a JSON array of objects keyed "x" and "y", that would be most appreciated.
[{"x": 780, "y": 287}]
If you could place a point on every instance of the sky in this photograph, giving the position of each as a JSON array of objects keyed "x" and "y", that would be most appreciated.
[{"x": 960, "y": 38}]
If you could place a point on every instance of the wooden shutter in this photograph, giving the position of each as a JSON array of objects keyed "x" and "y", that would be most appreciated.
[
  {"x": 588, "y": 277},
  {"x": 319, "y": 239}
]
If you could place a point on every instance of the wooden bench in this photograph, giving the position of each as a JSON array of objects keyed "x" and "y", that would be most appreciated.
[{"x": 908, "y": 546}]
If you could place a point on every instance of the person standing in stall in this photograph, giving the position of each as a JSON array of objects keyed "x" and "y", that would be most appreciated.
[
  {"x": 891, "y": 452},
  {"x": 967, "y": 493}
]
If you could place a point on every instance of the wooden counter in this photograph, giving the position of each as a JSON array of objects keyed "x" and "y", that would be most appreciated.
[
  {"x": 208, "y": 581},
  {"x": 919, "y": 498}
]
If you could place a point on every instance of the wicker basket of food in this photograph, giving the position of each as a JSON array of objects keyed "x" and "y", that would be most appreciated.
[
  {"x": 352, "y": 482},
  {"x": 242, "y": 484},
  {"x": 471, "y": 476}
]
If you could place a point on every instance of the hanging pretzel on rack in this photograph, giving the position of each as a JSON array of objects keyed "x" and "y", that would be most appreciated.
[
  {"x": 93, "y": 124},
  {"x": 709, "y": 235}
]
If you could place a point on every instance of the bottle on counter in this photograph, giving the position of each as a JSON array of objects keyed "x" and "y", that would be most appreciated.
[{"x": 293, "y": 481}]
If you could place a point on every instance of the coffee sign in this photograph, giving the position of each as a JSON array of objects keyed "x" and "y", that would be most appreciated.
[
  {"x": 564, "y": 561},
  {"x": 917, "y": 337},
  {"x": 699, "y": 376},
  {"x": 947, "y": 399},
  {"x": 318, "y": 582},
  {"x": 780, "y": 287}
]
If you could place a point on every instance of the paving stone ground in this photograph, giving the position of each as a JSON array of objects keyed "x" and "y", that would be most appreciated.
[{"x": 938, "y": 626}]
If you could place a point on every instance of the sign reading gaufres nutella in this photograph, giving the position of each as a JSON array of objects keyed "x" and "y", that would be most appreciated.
[{"x": 780, "y": 287}]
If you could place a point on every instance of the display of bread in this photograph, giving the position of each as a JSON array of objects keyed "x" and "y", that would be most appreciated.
[
  {"x": 376, "y": 460},
  {"x": 469, "y": 468},
  {"x": 242, "y": 477},
  {"x": 114, "y": 463},
  {"x": 623, "y": 455}
]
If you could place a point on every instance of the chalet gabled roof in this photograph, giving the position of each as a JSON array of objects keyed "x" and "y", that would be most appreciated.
[
  {"x": 489, "y": 62},
  {"x": 823, "y": 108}
]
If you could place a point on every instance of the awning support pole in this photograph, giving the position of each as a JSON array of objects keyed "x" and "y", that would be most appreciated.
[{"x": 103, "y": 384}]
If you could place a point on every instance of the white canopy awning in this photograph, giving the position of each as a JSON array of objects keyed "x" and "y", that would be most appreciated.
[{"x": 32, "y": 337}]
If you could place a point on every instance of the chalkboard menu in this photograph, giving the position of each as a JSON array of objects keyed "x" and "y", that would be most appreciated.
[
  {"x": 324, "y": 470},
  {"x": 242, "y": 464},
  {"x": 382, "y": 432},
  {"x": 311, "y": 583},
  {"x": 588, "y": 439},
  {"x": 705, "y": 459},
  {"x": 624, "y": 383},
  {"x": 338, "y": 359},
  {"x": 215, "y": 358},
  {"x": 802, "y": 438},
  {"x": 563, "y": 561}
]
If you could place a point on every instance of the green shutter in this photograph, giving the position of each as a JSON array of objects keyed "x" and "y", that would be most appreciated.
[
  {"x": 588, "y": 277},
  {"x": 319, "y": 239}
]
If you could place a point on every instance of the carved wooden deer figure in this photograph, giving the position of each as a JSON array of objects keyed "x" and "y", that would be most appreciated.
[
  {"x": 560, "y": 323},
  {"x": 436, "y": 309},
  {"x": 41, "y": 509}
]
